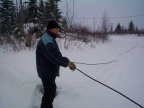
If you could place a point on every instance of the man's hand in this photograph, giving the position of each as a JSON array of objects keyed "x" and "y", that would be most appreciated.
[{"x": 72, "y": 66}]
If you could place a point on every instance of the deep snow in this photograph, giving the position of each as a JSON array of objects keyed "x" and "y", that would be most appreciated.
[{"x": 20, "y": 86}]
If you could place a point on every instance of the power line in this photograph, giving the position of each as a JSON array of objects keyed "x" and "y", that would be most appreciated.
[
  {"x": 115, "y": 17},
  {"x": 129, "y": 16}
]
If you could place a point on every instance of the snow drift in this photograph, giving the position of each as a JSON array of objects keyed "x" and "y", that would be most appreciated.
[{"x": 20, "y": 86}]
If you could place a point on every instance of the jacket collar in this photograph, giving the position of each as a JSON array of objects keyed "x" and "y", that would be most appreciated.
[{"x": 54, "y": 36}]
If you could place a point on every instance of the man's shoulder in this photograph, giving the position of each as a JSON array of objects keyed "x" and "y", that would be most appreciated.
[{"x": 46, "y": 38}]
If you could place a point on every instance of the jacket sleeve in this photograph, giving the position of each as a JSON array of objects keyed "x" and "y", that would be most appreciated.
[{"x": 54, "y": 56}]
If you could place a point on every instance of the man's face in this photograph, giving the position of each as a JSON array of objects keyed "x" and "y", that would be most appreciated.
[{"x": 54, "y": 30}]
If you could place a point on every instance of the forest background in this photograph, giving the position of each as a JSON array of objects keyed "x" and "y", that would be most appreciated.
[{"x": 22, "y": 24}]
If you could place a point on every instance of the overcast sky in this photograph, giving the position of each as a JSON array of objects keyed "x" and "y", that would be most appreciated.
[{"x": 115, "y": 8}]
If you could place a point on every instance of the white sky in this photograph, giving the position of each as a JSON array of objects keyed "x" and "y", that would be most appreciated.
[{"x": 114, "y": 8}]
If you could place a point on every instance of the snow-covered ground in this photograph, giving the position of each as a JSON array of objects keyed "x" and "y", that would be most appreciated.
[{"x": 20, "y": 86}]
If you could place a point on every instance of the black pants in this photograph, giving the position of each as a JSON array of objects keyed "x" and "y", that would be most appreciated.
[{"x": 49, "y": 92}]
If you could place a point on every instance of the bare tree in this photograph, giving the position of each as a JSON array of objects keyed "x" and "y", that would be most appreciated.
[
  {"x": 105, "y": 27},
  {"x": 68, "y": 20},
  {"x": 69, "y": 14}
]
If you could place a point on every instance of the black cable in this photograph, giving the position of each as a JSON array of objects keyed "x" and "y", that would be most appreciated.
[
  {"x": 94, "y": 64},
  {"x": 110, "y": 61},
  {"x": 110, "y": 88}
]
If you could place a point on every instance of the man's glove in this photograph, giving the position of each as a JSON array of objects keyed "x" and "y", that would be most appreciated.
[{"x": 72, "y": 66}]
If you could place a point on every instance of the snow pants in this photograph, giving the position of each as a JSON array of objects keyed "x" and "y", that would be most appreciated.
[{"x": 49, "y": 92}]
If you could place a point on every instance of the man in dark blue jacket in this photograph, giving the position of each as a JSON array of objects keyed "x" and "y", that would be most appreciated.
[{"x": 48, "y": 61}]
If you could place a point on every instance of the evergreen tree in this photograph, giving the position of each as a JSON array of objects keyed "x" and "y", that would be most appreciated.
[
  {"x": 41, "y": 9},
  {"x": 41, "y": 12},
  {"x": 118, "y": 28},
  {"x": 47, "y": 12},
  {"x": 14, "y": 16},
  {"x": 32, "y": 11},
  {"x": 42, "y": 19},
  {"x": 131, "y": 27},
  {"x": 26, "y": 13},
  {"x": 57, "y": 13},
  {"x": 8, "y": 16},
  {"x": 52, "y": 11},
  {"x": 0, "y": 16}
]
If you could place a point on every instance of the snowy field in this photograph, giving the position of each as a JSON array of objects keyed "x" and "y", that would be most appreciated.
[{"x": 20, "y": 86}]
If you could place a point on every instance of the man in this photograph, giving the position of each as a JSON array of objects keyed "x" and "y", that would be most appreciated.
[{"x": 48, "y": 61}]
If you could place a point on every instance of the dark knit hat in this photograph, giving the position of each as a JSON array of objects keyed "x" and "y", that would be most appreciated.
[{"x": 52, "y": 24}]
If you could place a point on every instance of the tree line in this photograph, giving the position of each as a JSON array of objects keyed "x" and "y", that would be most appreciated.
[
  {"x": 13, "y": 16},
  {"x": 132, "y": 29},
  {"x": 24, "y": 20}
]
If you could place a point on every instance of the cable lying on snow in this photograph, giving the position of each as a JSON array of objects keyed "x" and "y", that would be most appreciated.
[
  {"x": 95, "y": 64},
  {"x": 110, "y": 88}
]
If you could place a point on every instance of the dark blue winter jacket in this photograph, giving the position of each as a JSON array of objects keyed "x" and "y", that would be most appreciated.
[{"x": 49, "y": 57}]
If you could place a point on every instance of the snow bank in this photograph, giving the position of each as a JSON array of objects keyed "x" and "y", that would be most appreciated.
[{"x": 21, "y": 88}]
